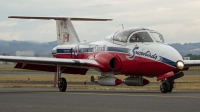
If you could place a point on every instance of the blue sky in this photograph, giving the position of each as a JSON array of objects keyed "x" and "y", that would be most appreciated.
[{"x": 177, "y": 20}]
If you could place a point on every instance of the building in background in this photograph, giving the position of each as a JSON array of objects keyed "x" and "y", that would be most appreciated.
[{"x": 186, "y": 58}]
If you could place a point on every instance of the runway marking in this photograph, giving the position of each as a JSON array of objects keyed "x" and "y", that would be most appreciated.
[
  {"x": 23, "y": 106},
  {"x": 195, "y": 97}
]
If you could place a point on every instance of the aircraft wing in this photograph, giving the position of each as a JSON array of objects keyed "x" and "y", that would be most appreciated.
[
  {"x": 190, "y": 63},
  {"x": 86, "y": 63}
]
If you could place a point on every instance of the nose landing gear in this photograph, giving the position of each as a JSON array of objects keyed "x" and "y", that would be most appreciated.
[
  {"x": 171, "y": 86},
  {"x": 167, "y": 86}
]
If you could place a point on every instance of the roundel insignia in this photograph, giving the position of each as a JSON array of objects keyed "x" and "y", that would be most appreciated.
[{"x": 76, "y": 51}]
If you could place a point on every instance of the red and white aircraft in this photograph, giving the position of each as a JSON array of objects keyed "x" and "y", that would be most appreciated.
[{"x": 134, "y": 52}]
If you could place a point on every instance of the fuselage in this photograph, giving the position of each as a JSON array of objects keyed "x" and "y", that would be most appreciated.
[{"x": 138, "y": 51}]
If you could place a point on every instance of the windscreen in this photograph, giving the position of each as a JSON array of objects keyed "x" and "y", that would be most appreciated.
[
  {"x": 157, "y": 37},
  {"x": 123, "y": 35},
  {"x": 140, "y": 37}
]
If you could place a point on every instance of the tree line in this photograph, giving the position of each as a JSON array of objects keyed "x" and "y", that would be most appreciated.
[{"x": 193, "y": 56}]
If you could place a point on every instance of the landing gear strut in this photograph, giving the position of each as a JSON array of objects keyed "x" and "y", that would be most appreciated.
[
  {"x": 167, "y": 86},
  {"x": 62, "y": 83}
]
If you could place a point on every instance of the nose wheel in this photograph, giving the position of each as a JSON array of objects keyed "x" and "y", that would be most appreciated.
[
  {"x": 62, "y": 84},
  {"x": 167, "y": 86},
  {"x": 164, "y": 87},
  {"x": 171, "y": 86}
]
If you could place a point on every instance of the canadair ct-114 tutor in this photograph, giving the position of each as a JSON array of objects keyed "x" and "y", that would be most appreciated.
[{"x": 134, "y": 52}]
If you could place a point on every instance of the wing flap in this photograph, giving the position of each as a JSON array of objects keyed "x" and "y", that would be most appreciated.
[{"x": 51, "y": 68}]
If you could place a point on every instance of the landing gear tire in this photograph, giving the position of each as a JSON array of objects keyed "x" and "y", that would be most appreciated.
[
  {"x": 164, "y": 87},
  {"x": 171, "y": 86},
  {"x": 92, "y": 79},
  {"x": 62, "y": 84}
]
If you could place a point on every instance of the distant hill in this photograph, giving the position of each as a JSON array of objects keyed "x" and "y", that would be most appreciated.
[
  {"x": 187, "y": 48},
  {"x": 10, "y": 47}
]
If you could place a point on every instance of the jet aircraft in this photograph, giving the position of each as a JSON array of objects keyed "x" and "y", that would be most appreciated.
[{"x": 133, "y": 52}]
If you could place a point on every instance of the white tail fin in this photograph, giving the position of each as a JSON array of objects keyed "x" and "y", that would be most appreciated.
[{"x": 65, "y": 30}]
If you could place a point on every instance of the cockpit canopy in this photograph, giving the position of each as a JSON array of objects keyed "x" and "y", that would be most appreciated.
[{"x": 137, "y": 35}]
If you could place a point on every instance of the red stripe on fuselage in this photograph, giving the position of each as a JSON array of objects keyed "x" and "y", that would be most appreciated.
[
  {"x": 140, "y": 66},
  {"x": 151, "y": 67}
]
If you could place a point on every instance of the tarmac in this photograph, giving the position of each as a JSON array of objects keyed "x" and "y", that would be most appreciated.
[{"x": 82, "y": 100}]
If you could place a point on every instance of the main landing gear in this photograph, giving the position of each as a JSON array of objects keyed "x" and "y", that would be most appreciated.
[
  {"x": 167, "y": 86},
  {"x": 62, "y": 83}
]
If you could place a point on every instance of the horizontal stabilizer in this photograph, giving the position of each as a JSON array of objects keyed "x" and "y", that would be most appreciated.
[
  {"x": 60, "y": 18},
  {"x": 190, "y": 63}
]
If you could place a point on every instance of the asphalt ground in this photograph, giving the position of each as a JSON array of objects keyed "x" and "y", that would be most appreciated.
[{"x": 78, "y": 100}]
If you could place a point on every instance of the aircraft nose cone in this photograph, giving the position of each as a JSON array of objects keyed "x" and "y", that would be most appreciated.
[{"x": 173, "y": 57}]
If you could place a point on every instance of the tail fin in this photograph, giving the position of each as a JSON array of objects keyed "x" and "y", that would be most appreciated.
[{"x": 65, "y": 30}]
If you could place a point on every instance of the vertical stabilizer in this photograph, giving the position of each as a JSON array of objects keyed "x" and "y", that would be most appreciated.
[{"x": 65, "y": 32}]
